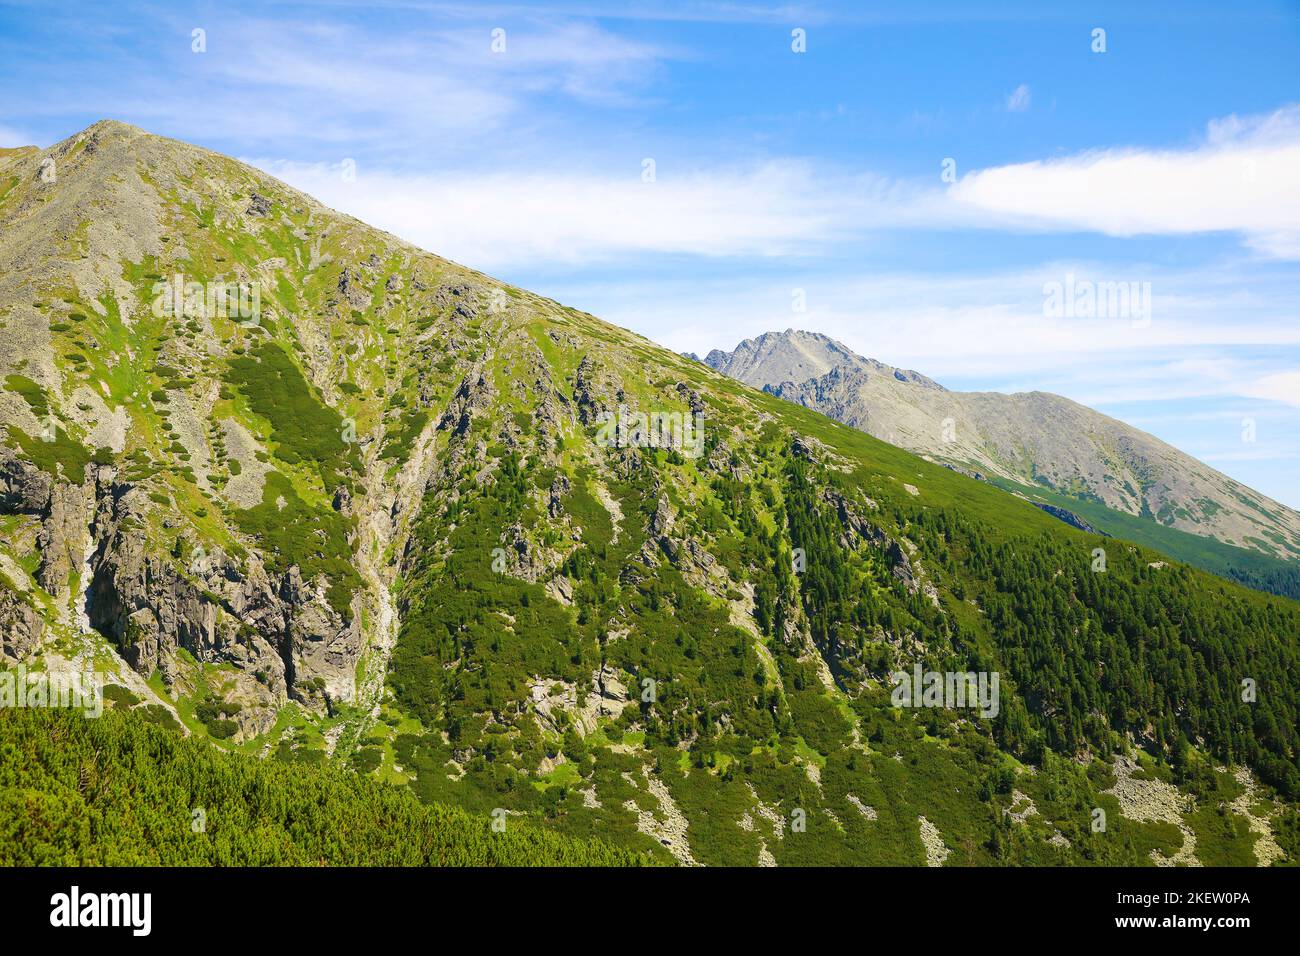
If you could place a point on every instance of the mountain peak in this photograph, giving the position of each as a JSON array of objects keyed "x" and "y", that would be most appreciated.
[
  {"x": 102, "y": 133},
  {"x": 111, "y": 127},
  {"x": 1031, "y": 438},
  {"x": 798, "y": 356}
]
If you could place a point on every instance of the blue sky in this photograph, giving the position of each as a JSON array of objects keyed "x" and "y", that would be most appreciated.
[{"x": 1170, "y": 161}]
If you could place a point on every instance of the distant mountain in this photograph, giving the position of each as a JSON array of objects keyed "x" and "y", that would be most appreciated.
[
  {"x": 1031, "y": 443},
  {"x": 794, "y": 356},
  {"x": 392, "y": 516}
]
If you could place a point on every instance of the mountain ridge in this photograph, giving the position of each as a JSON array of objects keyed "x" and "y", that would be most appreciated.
[
  {"x": 1030, "y": 438},
  {"x": 384, "y": 521}
]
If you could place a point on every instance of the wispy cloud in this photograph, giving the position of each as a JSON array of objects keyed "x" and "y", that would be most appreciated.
[
  {"x": 1262, "y": 454},
  {"x": 498, "y": 66},
  {"x": 509, "y": 220},
  {"x": 1278, "y": 387},
  {"x": 1244, "y": 178},
  {"x": 991, "y": 328},
  {"x": 443, "y": 88},
  {"x": 1018, "y": 100}
]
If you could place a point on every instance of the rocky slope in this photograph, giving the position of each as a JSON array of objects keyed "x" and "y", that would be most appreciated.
[
  {"x": 195, "y": 503},
  {"x": 1032, "y": 438},
  {"x": 472, "y": 542}
]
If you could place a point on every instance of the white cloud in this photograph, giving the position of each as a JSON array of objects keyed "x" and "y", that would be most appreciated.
[
  {"x": 451, "y": 72},
  {"x": 494, "y": 220},
  {"x": 1278, "y": 387},
  {"x": 976, "y": 331},
  {"x": 1019, "y": 99},
  {"x": 1244, "y": 178},
  {"x": 420, "y": 94}
]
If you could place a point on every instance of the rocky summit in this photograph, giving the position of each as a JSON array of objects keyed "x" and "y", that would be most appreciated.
[{"x": 387, "y": 532}]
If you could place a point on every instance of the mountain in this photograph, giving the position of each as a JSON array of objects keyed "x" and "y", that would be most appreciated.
[
  {"x": 309, "y": 495},
  {"x": 794, "y": 356},
  {"x": 1042, "y": 446}
]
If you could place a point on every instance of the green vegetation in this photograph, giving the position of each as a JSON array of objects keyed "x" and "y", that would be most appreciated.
[
  {"x": 742, "y": 722},
  {"x": 55, "y": 453},
  {"x": 304, "y": 429},
  {"x": 117, "y": 791},
  {"x": 1251, "y": 568},
  {"x": 61, "y": 456},
  {"x": 314, "y": 538},
  {"x": 400, "y": 438},
  {"x": 31, "y": 393}
]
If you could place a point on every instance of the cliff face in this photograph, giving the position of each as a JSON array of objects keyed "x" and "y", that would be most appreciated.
[
  {"x": 21, "y": 625},
  {"x": 41, "y": 503}
]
